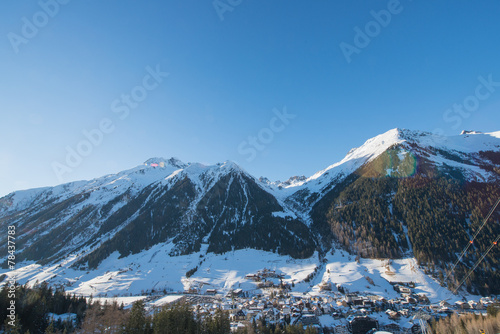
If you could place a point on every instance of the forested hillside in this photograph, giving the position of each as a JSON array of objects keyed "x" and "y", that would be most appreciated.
[{"x": 386, "y": 211}]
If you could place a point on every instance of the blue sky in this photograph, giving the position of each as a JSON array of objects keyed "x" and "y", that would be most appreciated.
[{"x": 231, "y": 66}]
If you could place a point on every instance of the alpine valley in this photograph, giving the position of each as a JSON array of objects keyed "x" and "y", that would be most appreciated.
[{"x": 400, "y": 208}]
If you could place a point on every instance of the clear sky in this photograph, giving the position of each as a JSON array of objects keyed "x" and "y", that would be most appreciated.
[{"x": 344, "y": 71}]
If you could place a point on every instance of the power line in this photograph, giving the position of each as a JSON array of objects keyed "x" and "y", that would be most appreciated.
[
  {"x": 466, "y": 248},
  {"x": 474, "y": 238},
  {"x": 478, "y": 262}
]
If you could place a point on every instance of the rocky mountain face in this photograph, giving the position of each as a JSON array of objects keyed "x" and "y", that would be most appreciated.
[
  {"x": 220, "y": 206},
  {"x": 423, "y": 196},
  {"x": 403, "y": 193}
]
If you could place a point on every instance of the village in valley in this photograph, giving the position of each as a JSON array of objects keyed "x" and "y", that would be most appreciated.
[{"x": 327, "y": 307}]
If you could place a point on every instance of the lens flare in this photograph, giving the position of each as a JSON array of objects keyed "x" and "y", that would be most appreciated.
[
  {"x": 396, "y": 163},
  {"x": 407, "y": 165}
]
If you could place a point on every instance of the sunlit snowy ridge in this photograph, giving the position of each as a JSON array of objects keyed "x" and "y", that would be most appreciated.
[{"x": 144, "y": 229}]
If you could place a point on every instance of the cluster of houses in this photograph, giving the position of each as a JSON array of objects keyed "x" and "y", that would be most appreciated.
[{"x": 332, "y": 310}]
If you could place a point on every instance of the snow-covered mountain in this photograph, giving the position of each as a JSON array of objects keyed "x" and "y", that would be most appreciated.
[
  {"x": 472, "y": 153},
  {"x": 465, "y": 152},
  {"x": 160, "y": 201},
  {"x": 189, "y": 209}
]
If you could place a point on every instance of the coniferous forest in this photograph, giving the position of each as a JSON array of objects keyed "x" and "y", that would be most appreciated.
[
  {"x": 36, "y": 308},
  {"x": 371, "y": 213}
]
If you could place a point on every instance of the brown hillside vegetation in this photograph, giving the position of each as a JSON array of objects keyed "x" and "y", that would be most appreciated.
[{"x": 468, "y": 324}]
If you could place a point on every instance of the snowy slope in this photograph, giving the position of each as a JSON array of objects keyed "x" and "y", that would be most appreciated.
[
  {"x": 102, "y": 189},
  {"x": 299, "y": 190},
  {"x": 155, "y": 270},
  {"x": 195, "y": 211},
  {"x": 156, "y": 202}
]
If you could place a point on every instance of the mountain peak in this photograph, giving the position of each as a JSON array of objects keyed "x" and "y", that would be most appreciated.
[
  {"x": 294, "y": 181},
  {"x": 230, "y": 165},
  {"x": 407, "y": 133},
  {"x": 163, "y": 162},
  {"x": 470, "y": 132}
]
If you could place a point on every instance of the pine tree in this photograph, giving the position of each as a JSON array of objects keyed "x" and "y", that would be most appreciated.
[
  {"x": 136, "y": 323},
  {"x": 16, "y": 329},
  {"x": 50, "y": 329}
]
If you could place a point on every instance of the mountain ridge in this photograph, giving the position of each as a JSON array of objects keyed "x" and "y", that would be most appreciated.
[{"x": 221, "y": 208}]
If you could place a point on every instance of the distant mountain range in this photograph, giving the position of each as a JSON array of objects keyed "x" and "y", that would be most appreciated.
[{"x": 401, "y": 194}]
